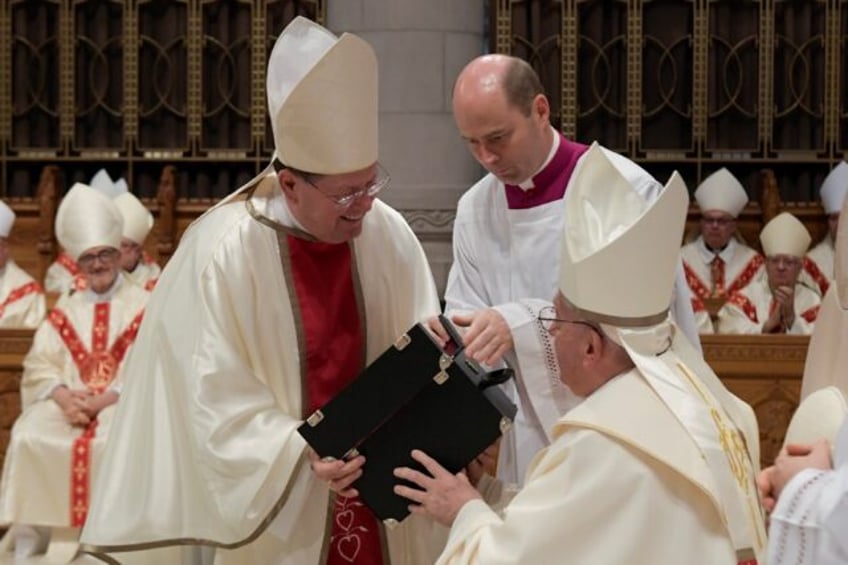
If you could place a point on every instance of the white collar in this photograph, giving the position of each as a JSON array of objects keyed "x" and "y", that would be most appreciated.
[
  {"x": 528, "y": 184},
  {"x": 708, "y": 255},
  {"x": 279, "y": 211},
  {"x": 93, "y": 297}
]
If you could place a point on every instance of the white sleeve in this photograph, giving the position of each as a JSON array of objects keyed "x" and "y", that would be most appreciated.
[{"x": 810, "y": 521}]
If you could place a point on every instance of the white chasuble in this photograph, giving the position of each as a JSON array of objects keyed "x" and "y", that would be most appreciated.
[{"x": 747, "y": 310}]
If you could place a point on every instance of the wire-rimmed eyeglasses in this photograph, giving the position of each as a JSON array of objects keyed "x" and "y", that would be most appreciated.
[
  {"x": 547, "y": 317},
  {"x": 380, "y": 182}
]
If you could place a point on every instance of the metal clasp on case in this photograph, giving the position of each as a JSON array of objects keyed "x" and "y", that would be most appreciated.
[
  {"x": 390, "y": 523},
  {"x": 505, "y": 425},
  {"x": 315, "y": 418},
  {"x": 402, "y": 342},
  {"x": 440, "y": 377}
]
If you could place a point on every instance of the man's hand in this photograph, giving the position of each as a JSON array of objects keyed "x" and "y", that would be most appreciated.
[
  {"x": 487, "y": 338},
  {"x": 73, "y": 405},
  {"x": 441, "y": 495},
  {"x": 94, "y": 403},
  {"x": 484, "y": 463},
  {"x": 764, "y": 485},
  {"x": 437, "y": 331},
  {"x": 794, "y": 458},
  {"x": 785, "y": 298},
  {"x": 338, "y": 474}
]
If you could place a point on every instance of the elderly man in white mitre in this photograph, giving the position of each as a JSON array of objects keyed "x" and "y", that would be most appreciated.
[
  {"x": 716, "y": 263},
  {"x": 778, "y": 302},
  {"x": 21, "y": 297},
  {"x": 818, "y": 264},
  {"x": 70, "y": 381},
  {"x": 653, "y": 467}
]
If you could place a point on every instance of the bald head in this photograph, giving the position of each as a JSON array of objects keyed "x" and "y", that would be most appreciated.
[{"x": 503, "y": 75}]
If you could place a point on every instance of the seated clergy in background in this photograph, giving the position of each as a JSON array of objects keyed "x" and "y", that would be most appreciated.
[
  {"x": 716, "y": 263},
  {"x": 21, "y": 297},
  {"x": 818, "y": 264},
  {"x": 137, "y": 266},
  {"x": 70, "y": 380},
  {"x": 778, "y": 302},
  {"x": 62, "y": 273},
  {"x": 652, "y": 466}
]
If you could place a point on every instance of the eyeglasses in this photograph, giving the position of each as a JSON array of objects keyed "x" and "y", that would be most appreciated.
[
  {"x": 720, "y": 222},
  {"x": 104, "y": 256},
  {"x": 346, "y": 200},
  {"x": 547, "y": 317}
]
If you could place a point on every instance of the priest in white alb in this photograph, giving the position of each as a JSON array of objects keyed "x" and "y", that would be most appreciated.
[
  {"x": 779, "y": 302},
  {"x": 652, "y": 467},
  {"x": 275, "y": 299},
  {"x": 71, "y": 380},
  {"x": 21, "y": 297},
  {"x": 717, "y": 263},
  {"x": 506, "y": 239}
]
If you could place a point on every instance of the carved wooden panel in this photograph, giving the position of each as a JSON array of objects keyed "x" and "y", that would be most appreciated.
[{"x": 693, "y": 85}]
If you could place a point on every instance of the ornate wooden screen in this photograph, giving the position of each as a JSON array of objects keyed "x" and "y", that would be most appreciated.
[
  {"x": 134, "y": 84},
  {"x": 693, "y": 85}
]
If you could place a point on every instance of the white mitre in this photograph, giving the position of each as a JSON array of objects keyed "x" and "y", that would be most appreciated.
[
  {"x": 102, "y": 182},
  {"x": 834, "y": 187},
  {"x": 322, "y": 101},
  {"x": 87, "y": 218},
  {"x": 721, "y": 191},
  {"x": 820, "y": 415},
  {"x": 785, "y": 235},
  {"x": 619, "y": 251},
  {"x": 138, "y": 220},
  {"x": 7, "y": 219}
]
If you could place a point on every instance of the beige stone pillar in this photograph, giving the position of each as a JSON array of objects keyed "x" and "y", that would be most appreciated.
[{"x": 421, "y": 46}]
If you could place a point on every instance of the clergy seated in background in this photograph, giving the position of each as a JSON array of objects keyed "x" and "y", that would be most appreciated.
[
  {"x": 818, "y": 264},
  {"x": 62, "y": 274},
  {"x": 274, "y": 301},
  {"x": 21, "y": 297},
  {"x": 70, "y": 381},
  {"x": 778, "y": 302},
  {"x": 137, "y": 266},
  {"x": 717, "y": 264},
  {"x": 652, "y": 467}
]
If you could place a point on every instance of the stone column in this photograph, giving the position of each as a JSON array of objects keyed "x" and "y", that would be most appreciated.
[{"x": 421, "y": 46}]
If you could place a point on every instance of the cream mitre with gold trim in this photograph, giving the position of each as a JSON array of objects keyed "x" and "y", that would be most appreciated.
[
  {"x": 87, "y": 218},
  {"x": 322, "y": 101},
  {"x": 721, "y": 191},
  {"x": 614, "y": 235},
  {"x": 834, "y": 187},
  {"x": 7, "y": 219},
  {"x": 785, "y": 235}
]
